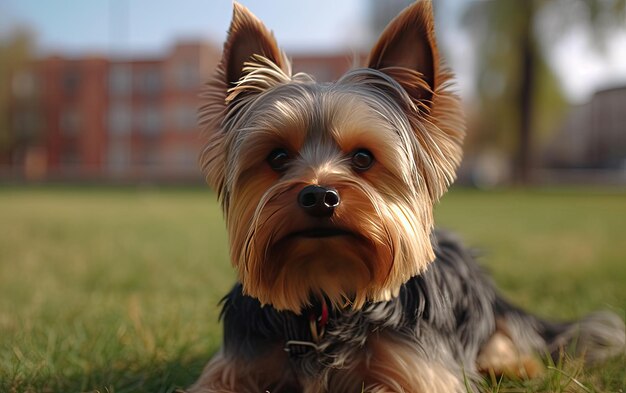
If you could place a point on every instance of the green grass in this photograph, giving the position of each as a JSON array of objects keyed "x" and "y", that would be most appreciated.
[{"x": 116, "y": 290}]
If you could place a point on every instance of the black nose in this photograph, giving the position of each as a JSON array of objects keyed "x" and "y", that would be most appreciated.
[{"x": 318, "y": 201}]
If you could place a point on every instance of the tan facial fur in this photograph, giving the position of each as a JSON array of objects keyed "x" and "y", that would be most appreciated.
[{"x": 398, "y": 108}]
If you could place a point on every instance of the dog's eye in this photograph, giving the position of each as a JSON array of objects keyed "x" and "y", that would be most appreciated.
[
  {"x": 362, "y": 160},
  {"x": 278, "y": 159}
]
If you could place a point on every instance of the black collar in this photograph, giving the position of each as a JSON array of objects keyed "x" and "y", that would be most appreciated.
[{"x": 304, "y": 332}]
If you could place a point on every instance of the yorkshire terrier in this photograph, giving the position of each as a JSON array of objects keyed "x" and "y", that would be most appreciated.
[{"x": 328, "y": 190}]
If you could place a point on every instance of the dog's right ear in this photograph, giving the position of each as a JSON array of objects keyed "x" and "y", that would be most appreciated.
[
  {"x": 408, "y": 42},
  {"x": 249, "y": 48},
  {"x": 247, "y": 37},
  {"x": 407, "y": 52}
]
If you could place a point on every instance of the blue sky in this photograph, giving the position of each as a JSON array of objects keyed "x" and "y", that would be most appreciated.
[{"x": 150, "y": 26}]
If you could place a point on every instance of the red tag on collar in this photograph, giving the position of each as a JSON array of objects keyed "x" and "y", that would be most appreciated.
[
  {"x": 323, "y": 318},
  {"x": 318, "y": 322}
]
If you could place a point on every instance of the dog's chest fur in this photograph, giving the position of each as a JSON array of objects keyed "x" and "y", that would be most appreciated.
[{"x": 441, "y": 317}]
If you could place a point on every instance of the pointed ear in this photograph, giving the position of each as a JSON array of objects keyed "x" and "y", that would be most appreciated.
[
  {"x": 407, "y": 52},
  {"x": 249, "y": 48},
  {"x": 409, "y": 43},
  {"x": 247, "y": 36}
]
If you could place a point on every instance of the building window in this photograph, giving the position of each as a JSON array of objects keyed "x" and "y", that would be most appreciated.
[
  {"x": 185, "y": 117},
  {"x": 148, "y": 80},
  {"x": 186, "y": 75},
  {"x": 69, "y": 122},
  {"x": 185, "y": 157},
  {"x": 149, "y": 120},
  {"x": 71, "y": 80},
  {"x": 118, "y": 157},
  {"x": 69, "y": 156},
  {"x": 120, "y": 79},
  {"x": 149, "y": 156},
  {"x": 26, "y": 124},
  {"x": 24, "y": 85},
  {"x": 120, "y": 119}
]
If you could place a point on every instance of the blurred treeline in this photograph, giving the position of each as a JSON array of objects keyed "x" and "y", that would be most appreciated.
[
  {"x": 519, "y": 100},
  {"x": 16, "y": 50}
]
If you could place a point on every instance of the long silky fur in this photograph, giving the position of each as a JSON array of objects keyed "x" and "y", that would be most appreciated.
[
  {"x": 407, "y": 206},
  {"x": 431, "y": 141},
  {"x": 442, "y": 318},
  {"x": 418, "y": 310}
]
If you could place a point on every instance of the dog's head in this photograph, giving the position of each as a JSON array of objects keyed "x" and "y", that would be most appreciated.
[{"x": 328, "y": 189}]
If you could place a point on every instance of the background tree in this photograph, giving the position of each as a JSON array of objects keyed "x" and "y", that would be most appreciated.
[
  {"x": 16, "y": 49},
  {"x": 518, "y": 94}
]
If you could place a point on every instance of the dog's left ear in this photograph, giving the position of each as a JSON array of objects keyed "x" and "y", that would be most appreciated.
[
  {"x": 407, "y": 53},
  {"x": 409, "y": 43}
]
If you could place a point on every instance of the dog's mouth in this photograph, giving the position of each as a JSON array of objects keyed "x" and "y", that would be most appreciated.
[{"x": 318, "y": 233}]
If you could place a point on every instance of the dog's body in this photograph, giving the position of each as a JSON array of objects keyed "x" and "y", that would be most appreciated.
[
  {"x": 446, "y": 326},
  {"x": 327, "y": 191}
]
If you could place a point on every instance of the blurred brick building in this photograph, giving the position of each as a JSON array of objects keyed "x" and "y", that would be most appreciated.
[
  {"x": 92, "y": 118},
  {"x": 120, "y": 119}
]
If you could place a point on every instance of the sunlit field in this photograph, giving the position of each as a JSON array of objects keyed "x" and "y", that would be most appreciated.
[{"x": 116, "y": 290}]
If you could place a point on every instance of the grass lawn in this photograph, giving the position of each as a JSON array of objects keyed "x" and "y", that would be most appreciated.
[{"x": 116, "y": 290}]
